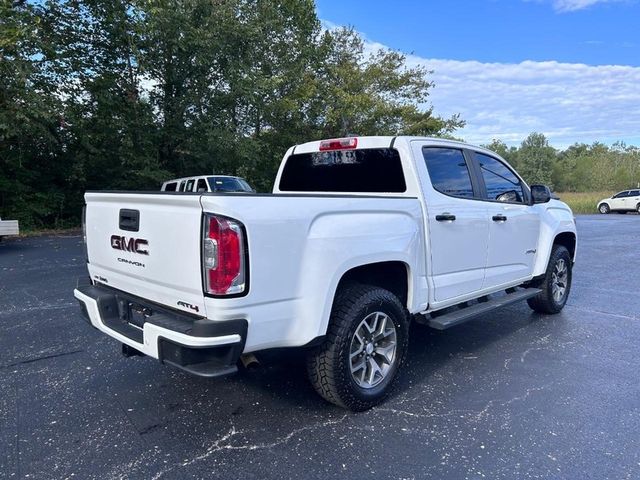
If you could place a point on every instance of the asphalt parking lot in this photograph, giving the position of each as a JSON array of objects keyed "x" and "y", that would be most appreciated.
[{"x": 509, "y": 395}]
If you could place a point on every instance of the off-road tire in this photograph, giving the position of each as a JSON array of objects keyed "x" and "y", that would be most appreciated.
[
  {"x": 328, "y": 365},
  {"x": 544, "y": 301}
]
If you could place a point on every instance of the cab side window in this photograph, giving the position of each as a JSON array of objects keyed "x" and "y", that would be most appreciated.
[
  {"x": 501, "y": 183},
  {"x": 448, "y": 171}
]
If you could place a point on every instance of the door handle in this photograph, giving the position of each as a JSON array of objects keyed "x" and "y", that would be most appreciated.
[
  {"x": 129, "y": 220},
  {"x": 445, "y": 217},
  {"x": 499, "y": 218}
]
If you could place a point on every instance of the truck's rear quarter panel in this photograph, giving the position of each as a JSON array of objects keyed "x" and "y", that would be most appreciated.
[{"x": 299, "y": 248}]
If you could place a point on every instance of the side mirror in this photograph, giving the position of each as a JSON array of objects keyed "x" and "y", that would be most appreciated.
[{"x": 540, "y": 193}]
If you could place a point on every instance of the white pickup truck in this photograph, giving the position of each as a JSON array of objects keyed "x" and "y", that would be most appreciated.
[{"x": 360, "y": 236}]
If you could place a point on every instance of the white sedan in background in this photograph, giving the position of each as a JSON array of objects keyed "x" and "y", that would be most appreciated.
[{"x": 621, "y": 202}]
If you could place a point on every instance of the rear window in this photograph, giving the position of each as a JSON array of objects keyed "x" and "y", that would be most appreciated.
[
  {"x": 374, "y": 170},
  {"x": 171, "y": 187}
]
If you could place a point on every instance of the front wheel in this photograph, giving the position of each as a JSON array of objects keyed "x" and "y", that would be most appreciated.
[
  {"x": 556, "y": 283},
  {"x": 604, "y": 208},
  {"x": 365, "y": 346}
]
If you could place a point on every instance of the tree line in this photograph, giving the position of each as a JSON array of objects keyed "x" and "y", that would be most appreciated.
[
  {"x": 125, "y": 94},
  {"x": 98, "y": 94},
  {"x": 578, "y": 168}
]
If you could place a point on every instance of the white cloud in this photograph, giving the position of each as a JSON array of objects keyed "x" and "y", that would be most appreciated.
[
  {"x": 574, "y": 5},
  {"x": 568, "y": 102}
]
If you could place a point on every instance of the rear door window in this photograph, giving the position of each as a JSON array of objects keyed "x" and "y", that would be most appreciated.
[
  {"x": 170, "y": 187},
  {"x": 202, "y": 185},
  {"x": 372, "y": 170},
  {"x": 448, "y": 171}
]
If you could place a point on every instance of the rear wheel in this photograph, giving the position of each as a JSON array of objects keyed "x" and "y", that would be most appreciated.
[
  {"x": 604, "y": 208},
  {"x": 556, "y": 283},
  {"x": 365, "y": 346},
  {"x": 638, "y": 208}
]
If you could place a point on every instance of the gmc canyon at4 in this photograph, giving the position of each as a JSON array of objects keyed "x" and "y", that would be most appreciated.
[{"x": 361, "y": 236}]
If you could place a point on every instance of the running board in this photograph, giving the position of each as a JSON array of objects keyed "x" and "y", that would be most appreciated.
[{"x": 461, "y": 315}]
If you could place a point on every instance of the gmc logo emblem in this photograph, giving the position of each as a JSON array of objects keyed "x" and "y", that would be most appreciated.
[{"x": 135, "y": 245}]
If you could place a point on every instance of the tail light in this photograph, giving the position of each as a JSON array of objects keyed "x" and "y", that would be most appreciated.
[
  {"x": 338, "y": 144},
  {"x": 223, "y": 256}
]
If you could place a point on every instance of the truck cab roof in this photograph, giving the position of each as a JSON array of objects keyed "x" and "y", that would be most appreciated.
[
  {"x": 380, "y": 165},
  {"x": 382, "y": 141}
]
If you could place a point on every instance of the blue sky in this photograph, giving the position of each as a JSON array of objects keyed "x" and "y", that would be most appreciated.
[{"x": 568, "y": 68}]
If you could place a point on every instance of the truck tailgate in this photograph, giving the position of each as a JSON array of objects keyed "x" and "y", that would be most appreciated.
[{"x": 148, "y": 245}]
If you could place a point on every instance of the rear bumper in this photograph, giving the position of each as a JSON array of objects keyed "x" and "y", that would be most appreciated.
[{"x": 200, "y": 346}]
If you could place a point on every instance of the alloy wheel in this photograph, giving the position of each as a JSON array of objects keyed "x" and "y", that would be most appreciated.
[
  {"x": 373, "y": 350},
  {"x": 559, "y": 279}
]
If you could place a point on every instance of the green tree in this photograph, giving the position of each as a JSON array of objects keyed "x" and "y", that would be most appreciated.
[
  {"x": 508, "y": 153},
  {"x": 535, "y": 159},
  {"x": 30, "y": 136},
  {"x": 374, "y": 93},
  {"x": 124, "y": 94}
]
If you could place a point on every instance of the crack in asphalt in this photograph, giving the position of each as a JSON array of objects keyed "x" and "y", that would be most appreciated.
[
  {"x": 45, "y": 357},
  {"x": 225, "y": 441},
  {"x": 220, "y": 444},
  {"x": 618, "y": 315},
  {"x": 37, "y": 308}
]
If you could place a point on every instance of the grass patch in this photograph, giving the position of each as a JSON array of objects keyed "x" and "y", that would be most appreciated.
[{"x": 583, "y": 202}]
